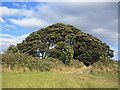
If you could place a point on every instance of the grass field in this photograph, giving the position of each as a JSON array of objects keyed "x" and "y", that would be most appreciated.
[{"x": 58, "y": 80}]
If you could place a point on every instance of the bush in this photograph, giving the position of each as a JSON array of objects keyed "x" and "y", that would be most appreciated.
[
  {"x": 23, "y": 62},
  {"x": 108, "y": 65},
  {"x": 12, "y": 61},
  {"x": 77, "y": 64}
]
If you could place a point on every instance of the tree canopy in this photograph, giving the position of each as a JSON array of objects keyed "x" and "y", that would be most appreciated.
[
  {"x": 65, "y": 42},
  {"x": 12, "y": 49}
]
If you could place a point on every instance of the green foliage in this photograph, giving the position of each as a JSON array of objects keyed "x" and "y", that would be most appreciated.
[
  {"x": 77, "y": 44},
  {"x": 12, "y": 49},
  {"x": 63, "y": 52},
  {"x": 105, "y": 65},
  {"x": 19, "y": 61},
  {"x": 12, "y": 59}
]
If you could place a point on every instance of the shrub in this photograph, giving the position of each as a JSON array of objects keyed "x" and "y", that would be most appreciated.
[
  {"x": 108, "y": 65},
  {"x": 22, "y": 62},
  {"x": 77, "y": 64},
  {"x": 15, "y": 60}
]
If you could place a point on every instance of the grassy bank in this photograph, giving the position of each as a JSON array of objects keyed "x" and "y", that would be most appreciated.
[{"x": 57, "y": 80}]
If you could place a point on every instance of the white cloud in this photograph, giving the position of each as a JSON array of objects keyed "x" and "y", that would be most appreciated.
[
  {"x": 15, "y": 4},
  {"x": 24, "y": 6},
  {"x": 30, "y": 22},
  {"x": 118, "y": 38},
  {"x": 106, "y": 35},
  {"x": 98, "y": 19},
  {"x": 99, "y": 30},
  {"x": 59, "y": 0},
  {"x": 116, "y": 52},
  {"x": 8, "y": 40},
  {"x": 6, "y": 35},
  {"x": 5, "y": 11},
  {"x": 2, "y": 20},
  {"x": 11, "y": 26},
  {"x": 22, "y": 37}
]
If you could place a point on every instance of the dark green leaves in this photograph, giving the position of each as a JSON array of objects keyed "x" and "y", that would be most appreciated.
[
  {"x": 69, "y": 43},
  {"x": 12, "y": 49}
]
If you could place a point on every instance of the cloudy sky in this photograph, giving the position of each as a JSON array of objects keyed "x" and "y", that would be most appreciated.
[{"x": 19, "y": 19}]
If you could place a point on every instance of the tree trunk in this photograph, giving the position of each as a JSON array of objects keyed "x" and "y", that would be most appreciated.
[{"x": 42, "y": 55}]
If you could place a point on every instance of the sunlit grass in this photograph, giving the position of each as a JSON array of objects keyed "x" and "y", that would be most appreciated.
[{"x": 56, "y": 80}]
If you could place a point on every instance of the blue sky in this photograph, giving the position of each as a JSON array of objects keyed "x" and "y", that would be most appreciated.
[{"x": 19, "y": 19}]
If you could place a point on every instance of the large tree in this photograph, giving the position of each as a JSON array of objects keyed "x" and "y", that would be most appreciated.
[{"x": 62, "y": 38}]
